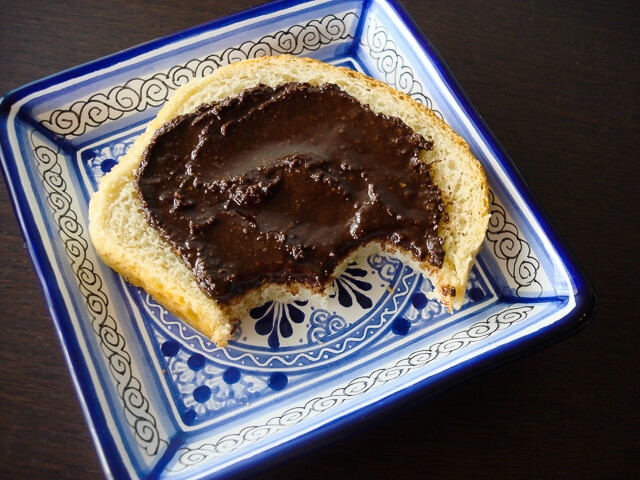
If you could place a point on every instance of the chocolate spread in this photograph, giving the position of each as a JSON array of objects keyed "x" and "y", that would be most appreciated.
[{"x": 281, "y": 184}]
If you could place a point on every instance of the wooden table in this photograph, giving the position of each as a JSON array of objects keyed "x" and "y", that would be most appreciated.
[{"x": 559, "y": 85}]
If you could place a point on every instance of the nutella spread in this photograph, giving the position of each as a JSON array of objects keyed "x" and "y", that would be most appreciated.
[{"x": 282, "y": 184}]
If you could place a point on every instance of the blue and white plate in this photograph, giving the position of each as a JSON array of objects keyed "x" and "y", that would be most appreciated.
[{"x": 161, "y": 400}]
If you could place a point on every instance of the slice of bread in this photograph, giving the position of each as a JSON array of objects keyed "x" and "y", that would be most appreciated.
[{"x": 125, "y": 241}]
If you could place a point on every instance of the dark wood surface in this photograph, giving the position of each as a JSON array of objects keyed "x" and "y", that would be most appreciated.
[{"x": 559, "y": 85}]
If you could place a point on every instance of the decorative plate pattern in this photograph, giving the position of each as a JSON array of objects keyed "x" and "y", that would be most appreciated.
[{"x": 160, "y": 398}]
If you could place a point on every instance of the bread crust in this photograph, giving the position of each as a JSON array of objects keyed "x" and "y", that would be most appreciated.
[{"x": 125, "y": 241}]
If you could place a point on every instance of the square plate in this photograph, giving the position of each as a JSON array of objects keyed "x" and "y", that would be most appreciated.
[{"x": 163, "y": 401}]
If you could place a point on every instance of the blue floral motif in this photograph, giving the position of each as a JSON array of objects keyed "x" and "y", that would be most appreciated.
[
  {"x": 350, "y": 287},
  {"x": 275, "y": 319},
  {"x": 297, "y": 336},
  {"x": 100, "y": 160},
  {"x": 323, "y": 324},
  {"x": 386, "y": 266}
]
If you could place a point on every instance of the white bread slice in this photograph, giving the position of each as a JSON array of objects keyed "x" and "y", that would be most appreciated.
[{"x": 125, "y": 241}]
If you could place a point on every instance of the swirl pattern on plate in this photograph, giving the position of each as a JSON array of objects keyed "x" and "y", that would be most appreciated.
[{"x": 139, "y": 94}]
